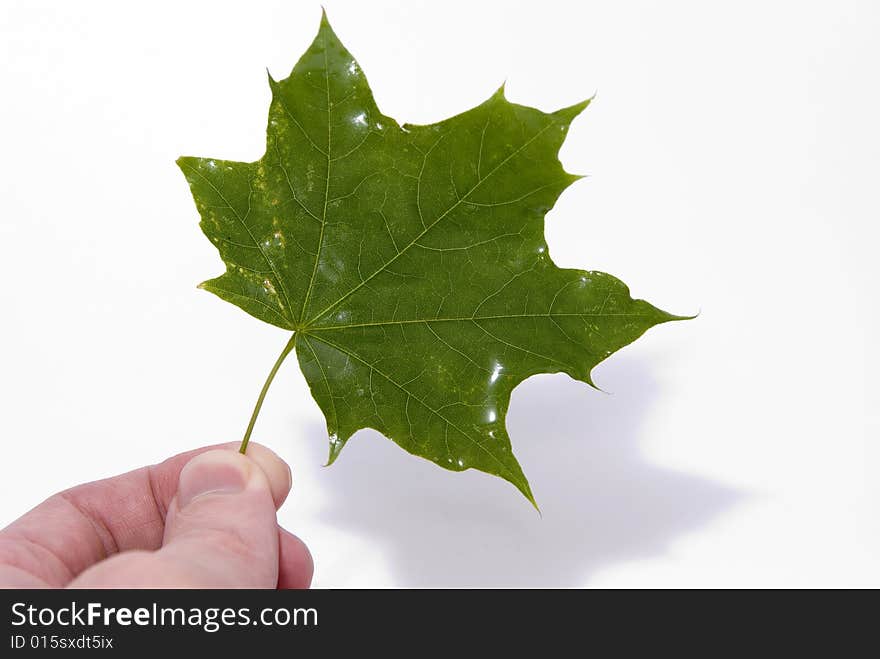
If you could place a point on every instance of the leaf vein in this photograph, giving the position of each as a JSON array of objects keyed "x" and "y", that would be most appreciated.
[
  {"x": 513, "y": 477},
  {"x": 434, "y": 223}
]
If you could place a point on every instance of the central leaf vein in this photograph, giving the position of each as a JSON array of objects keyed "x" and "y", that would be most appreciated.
[{"x": 326, "y": 187}]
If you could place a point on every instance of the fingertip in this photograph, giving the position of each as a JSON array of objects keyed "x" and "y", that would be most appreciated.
[
  {"x": 295, "y": 564},
  {"x": 277, "y": 471}
]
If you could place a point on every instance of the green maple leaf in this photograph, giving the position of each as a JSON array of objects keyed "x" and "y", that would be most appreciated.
[{"x": 409, "y": 261}]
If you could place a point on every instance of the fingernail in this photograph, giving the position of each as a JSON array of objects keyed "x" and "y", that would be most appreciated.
[{"x": 214, "y": 472}]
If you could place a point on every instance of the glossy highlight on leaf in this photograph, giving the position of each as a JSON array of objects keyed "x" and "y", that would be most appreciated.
[{"x": 409, "y": 261}]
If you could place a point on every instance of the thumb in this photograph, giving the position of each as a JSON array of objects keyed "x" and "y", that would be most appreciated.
[
  {"x": 220, "y": 531},
  {"x": 221, "y": 526}
]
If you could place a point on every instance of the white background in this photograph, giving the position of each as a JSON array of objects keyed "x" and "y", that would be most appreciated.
[{"x": 734, "y": 160}]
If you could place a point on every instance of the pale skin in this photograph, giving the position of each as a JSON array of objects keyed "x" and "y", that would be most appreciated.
[{"x": 202, "y": 519}]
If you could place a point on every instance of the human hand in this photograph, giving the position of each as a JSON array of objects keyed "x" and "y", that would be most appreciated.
[{"x": 202, "y": 519}]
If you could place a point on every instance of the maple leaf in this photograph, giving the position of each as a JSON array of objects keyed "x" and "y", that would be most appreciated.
[{"x": 409, "y": 261}]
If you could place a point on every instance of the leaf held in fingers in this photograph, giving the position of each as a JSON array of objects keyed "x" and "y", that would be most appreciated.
[{"x": 410, "y": 261}]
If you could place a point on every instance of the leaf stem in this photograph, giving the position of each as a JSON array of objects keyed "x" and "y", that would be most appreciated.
[{"x": 291, "y": 344}]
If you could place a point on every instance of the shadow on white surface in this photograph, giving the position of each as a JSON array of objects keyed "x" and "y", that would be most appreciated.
[{"x": 601, "y": 502}]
